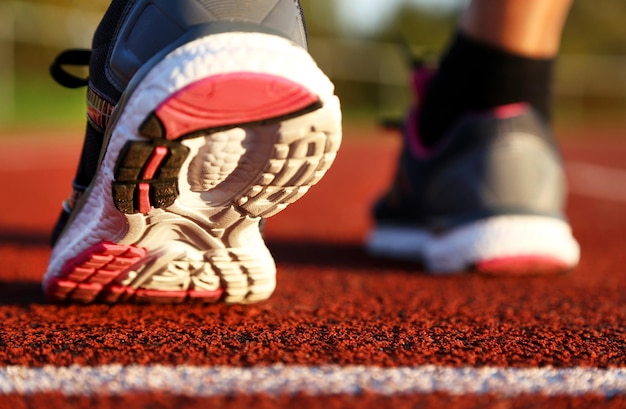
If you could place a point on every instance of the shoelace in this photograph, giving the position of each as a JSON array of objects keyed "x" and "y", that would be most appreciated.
[
  {"x": 99, "y": 110},
  {"x": 74, "y": 57}
]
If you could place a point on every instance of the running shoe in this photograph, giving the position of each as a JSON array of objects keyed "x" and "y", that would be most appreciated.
[
  {"x": 204, "y": 117},
  {"x": 489, "y": 197}
]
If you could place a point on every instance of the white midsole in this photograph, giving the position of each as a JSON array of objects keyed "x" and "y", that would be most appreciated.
[{"x": 489, "y": 239}]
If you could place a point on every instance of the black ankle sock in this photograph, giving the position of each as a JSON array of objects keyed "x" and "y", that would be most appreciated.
[{"x": 473, "y": 76}]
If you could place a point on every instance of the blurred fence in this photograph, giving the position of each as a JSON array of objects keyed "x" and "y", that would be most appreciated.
[
  {"x": 379, "y": 65},
  {"x": 37, "y": 24}
]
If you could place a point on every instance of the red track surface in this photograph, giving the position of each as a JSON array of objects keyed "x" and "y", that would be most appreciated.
[{"x": 333, "y": 305}]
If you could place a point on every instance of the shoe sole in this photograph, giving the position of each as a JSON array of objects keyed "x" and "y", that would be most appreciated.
[
  {"x": 503, "y": 245},
  {"x": 224, "y": 131}
]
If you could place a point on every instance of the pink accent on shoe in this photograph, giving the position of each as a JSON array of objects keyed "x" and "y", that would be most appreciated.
[
  {"x": 86, "y": 292},
  {"x": 206, "y": 296},
  {"x": 90, "y": 276},
  {"x": 412, "y": 134},
  {"x": 81, "y": 273},
  {"x": 510, "y": 110},
  {"x": 85, "y": 276},
  {"x": 522, "y": 265},
  {"x": 160, "y": 152},
  {"x": 422, "y": 152},
  {"x": 167, "y": 297},
  {"x": 117, "y": 293},
  {"x": 231, "y": 99},
  {"x": 143, "y": 189},
  {"x": 143, "y": 198},
  {"x": 105, "y": 277},
  {"x": 58, "y": 289},
  {"x": 175, "y": 297},
  {"x": 420, "y": 79}
]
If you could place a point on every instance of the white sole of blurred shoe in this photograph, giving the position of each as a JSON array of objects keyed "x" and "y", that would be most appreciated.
[{"x": 502, "y": 245}]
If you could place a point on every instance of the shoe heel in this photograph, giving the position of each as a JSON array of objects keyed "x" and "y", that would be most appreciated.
[{"x": 190, "y": 170}]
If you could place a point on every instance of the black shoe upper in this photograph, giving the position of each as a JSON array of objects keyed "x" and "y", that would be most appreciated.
[{"x": 488, "y": 164}]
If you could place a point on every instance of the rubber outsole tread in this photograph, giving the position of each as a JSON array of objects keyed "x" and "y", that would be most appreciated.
[
  {"x": 190, "y": 179},
  {"x": 146, "y": 175}
]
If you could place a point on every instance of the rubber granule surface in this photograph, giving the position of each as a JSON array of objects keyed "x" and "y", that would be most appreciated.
[
  {"x": 305, "y": 402},
  {"x": 334, "y": 305}
]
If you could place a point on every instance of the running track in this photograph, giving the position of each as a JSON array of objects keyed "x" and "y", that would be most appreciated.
[{"x": 343, "y": 329}]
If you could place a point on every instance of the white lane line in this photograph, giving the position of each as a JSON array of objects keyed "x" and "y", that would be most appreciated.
[
  {"x": 279, "y": 380},
  {"x": 596, "y": 181}
]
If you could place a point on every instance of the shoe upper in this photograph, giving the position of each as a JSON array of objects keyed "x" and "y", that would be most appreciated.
[
  {"x": 150, "y": 27},
  {"x": 499, "y": 162},
  {"x": 135, "y": 33}
]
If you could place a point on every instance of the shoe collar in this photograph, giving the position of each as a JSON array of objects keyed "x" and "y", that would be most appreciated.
[
  {"x": 420, "y": 151},
  {"x": 421, "y": 77}
]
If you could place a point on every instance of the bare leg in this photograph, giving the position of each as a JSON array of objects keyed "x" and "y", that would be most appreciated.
[
  {"x": 526, "y": 27},
  {"x": 503, "y": 53}
]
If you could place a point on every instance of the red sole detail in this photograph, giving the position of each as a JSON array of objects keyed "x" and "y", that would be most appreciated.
[
  {"x": 206, "y": 296},
  {"x": 522, "y": 265},
  {"x": 86, "y": 276},
  {"x": 90, "y": 277},
  {"x": 160, "y": 152},
  {"x": 152, "y": 166},
  {"x": 231, "y": 99},
  {"x": 143, "y": 198},
  {"x": 59, "y": 289},
  {"x": 117, "y": 293},
  {"x": 168, "y": 297}
]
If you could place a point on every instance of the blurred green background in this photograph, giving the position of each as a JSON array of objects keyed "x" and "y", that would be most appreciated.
[{"x": 366, "y": 61}]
